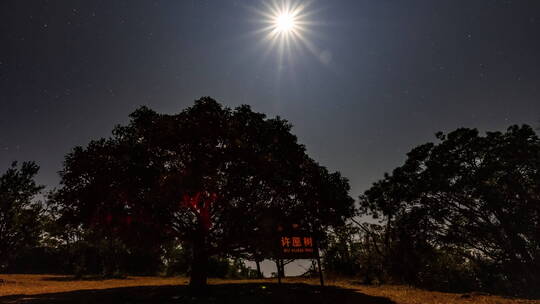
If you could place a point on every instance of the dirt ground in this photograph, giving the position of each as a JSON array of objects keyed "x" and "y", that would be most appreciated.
[{"x": 65, "y": 289}]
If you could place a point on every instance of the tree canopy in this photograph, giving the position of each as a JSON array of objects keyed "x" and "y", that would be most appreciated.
[
  {"x": 475, "y": 196},
  {"x": 209, "y": 177}
]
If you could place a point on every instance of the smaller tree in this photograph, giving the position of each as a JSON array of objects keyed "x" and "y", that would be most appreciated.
[{"x": 19, "y": 214}]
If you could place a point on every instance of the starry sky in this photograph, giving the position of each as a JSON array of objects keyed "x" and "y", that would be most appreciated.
[{"x": 368, "y": 81}]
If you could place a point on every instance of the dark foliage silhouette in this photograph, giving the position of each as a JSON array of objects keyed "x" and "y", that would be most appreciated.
[
  {"x": 209, "y": 177},
  {"x": 464, "y": 210}
]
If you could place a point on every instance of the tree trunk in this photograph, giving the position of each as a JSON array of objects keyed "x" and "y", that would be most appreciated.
[
  {"x": 280, "y": 265},
  {"x": 199, "y": 267},
  {"x": 259, "y": 273}
]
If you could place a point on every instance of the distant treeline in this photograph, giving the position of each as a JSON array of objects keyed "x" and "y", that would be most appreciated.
[{"x": 199, "y": 192}]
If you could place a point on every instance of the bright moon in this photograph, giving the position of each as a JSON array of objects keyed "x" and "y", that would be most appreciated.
[
  {"x": 285, "y": 20},
  {"x": 287, "y": 26},
  {"x": 284, "y": 23}
]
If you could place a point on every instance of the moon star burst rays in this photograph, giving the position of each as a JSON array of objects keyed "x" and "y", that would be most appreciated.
[{"x": 286, "y": 26}]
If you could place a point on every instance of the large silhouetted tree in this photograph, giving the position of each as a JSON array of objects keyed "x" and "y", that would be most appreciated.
[
  {"x": 475, "y": 196},
  {"x": 208, "y": 176},
  {"x": 19, "y": 214}
]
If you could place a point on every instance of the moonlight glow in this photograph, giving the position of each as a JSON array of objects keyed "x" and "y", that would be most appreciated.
[
  {"x": 284, "y": 20},
  {"x": 284, "y": 23},
  {"x": 287, "y": 28}
]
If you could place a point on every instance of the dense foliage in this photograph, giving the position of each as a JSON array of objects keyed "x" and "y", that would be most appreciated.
[
  {"x": 214, "y": 179},
  {"x": 464, "y": 213},
  {"x": 199, "y": 192}
]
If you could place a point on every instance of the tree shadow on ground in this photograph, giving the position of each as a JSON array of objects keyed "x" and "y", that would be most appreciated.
[{"x": 223, "y": 293}]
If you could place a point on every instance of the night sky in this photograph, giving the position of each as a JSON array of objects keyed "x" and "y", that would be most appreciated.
[{"x": 367, "y": 81}]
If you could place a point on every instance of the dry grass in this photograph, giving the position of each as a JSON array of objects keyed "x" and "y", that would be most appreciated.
[
  {"x": 29, "y": 284},
  {"x": 409, "y": 295},
  {"x": 46, "y": 284}
]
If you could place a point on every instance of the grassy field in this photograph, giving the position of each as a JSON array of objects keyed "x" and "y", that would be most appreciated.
[{"x": 62, "y": 289}]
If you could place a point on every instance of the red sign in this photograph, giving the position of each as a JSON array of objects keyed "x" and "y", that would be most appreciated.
[{"x": 297, "y": 246}]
